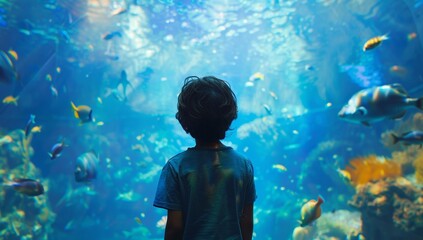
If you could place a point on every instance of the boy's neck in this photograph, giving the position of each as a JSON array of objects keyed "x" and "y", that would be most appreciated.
[{"x": 213, "y": 145}]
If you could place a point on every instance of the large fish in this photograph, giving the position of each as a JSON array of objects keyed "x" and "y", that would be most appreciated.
[
  {"x": 86, "y": 167},
  {"x": 311, "y": 211},
  {"x": 7, "y": 69},
  {"x": 26, "y": 186},
  {"x": 379, "y": 103}
]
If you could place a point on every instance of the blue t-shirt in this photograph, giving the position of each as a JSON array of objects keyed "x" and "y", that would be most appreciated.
[{"x": 210, "y": 187}]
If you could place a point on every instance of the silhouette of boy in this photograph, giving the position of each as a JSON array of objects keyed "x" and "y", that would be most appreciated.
[{"x": 208, "y": 189}]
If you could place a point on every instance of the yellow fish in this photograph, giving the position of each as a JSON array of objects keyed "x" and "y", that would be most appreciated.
[
  {"x": 311, "y": 211},
  {"x": 36, "y": 129},
  {"x": 11, "y": 100},
  {"x": 82, "y": 112},
  {"x": 345, "y": 175},
  {"x": 374, "y": 42},
  {"x": 280, "y": 167},
  {"x": 14, "y": 54}
]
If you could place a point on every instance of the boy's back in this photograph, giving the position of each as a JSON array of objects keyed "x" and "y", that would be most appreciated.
[{"x": 211, "y": 186}]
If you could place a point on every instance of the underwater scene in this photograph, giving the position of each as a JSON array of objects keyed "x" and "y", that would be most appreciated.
[{"x": 330, "y": 113}]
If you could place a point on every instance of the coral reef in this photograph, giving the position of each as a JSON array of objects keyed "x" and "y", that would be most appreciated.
[
  {"x": 340, "y": 224},
  {"x": 371, "y": 168},
  {"x": 391, "y": 209},
  {"x": 22, "y": 217},
  {"x": 418, "y": 165}
]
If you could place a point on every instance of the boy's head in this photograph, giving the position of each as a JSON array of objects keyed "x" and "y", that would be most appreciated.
[{"x": 206, "y": 108}]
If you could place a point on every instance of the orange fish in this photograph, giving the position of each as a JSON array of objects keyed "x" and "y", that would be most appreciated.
[
  {"x": 11, "y": 100},
  {"x": 398, "y": 70},
  {"x": 311, "y": 211},
  {"x": 374, "y": 42},
  {"x": 411, "y": 36},
  {"x": 118, "y": 11}
]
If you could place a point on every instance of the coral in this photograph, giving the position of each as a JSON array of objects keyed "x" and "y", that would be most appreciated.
[
  {"x": 418, "y": 165},
  {"x": 340, "y": 224},
  {"x": 371, "y": 168},
  {"x": 391, "y": 209},
  {"x": 22, "y": 217}
]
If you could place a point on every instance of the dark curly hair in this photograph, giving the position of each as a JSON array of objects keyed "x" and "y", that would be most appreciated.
[{"x": 206, "y": 107}]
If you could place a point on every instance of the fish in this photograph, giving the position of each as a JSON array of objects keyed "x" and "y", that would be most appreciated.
[
  {"x": 56, "y": 150},
  {"x": 398, "y": 71},
  {"x": 123, "y": 81},
  {"x": 82, "y": 112},
  {"x": 311, "y": 211},
  {"x": 345, "y": 175},
  {"x": 27, "y": 186},
  {"x": 14, "y": 54},
  {"x": 36, "y": 129},
  {"x": 279, "y": 167},
  {"x": 7, "y": 69},
  {"x": 379, "y": 103},
  {"x": 111, "y": 35},
  {"x": 29, "y": 125},
  {"x": 412, "y": 137},
  {"x": 411, "y": 36},
  {"x": 138, "y": 220},
  {"x": 374, "y": 42},
  {"x": 86, "y": 167},
  {"x": 11, "y": 100},
  {"x": 118, "y": 11}
]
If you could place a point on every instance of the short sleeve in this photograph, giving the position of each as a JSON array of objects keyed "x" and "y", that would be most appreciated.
[
  {"x": 250, "y": 196},
  {"x": 168, "y": 194}
]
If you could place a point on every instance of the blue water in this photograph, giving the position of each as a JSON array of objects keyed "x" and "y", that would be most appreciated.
[{"x": 310, "y": 53}]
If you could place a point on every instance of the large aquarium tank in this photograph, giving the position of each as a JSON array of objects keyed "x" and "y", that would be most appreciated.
[{"x": 329, "y": 113}]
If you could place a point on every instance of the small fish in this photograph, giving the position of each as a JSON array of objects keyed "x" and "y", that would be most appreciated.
[
  {"x": 258, "y": 76},
  {"x": 7, "y": 69},
  {"x": 379, "y": 103},
  {"x": 123, "y": 81},
  {"x": 111, "y": 35},
  {"x": 29, "y": 125},
  {"x": 118, "y": 11},
  {"x": 83, "y": 112},
  {"x": 54, "y": 91},
  {"x": 56, "y": 150},
  {"x": 268, "y": 109},
  {"x": 26, "y": 186},
  {"x": 112, "y": 57},
  {"x": 411, "y": 36},
  {"x": 11, "y": 100},
  {"x": 86, "y": 167},
  {"x": 49, "y": 77},
  {"x": 345, "y": 175},
  {"x": 412, "y": 137},
  {"x": 279, "y": 167},
  {"x": 374, "y": 42},
  {"x": 398, "y": 71},
  {"x": 138, "y": 220},
  {"x": 14, "y": 54},
  {"x": 36, "y": 129},
  {"x": 311, "y": 211}
]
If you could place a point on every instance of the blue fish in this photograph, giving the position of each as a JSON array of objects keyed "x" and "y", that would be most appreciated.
[
  {"x": 29, "y": 125},
  {"x": 379, "y": 103},
  {"x": 56, "y": 150},
  {"x": 412, "y": 137},
  {"x": 111, "y": 35},
  {"x": 26, "y": 186},
  {"x": 86, "y": 167}
]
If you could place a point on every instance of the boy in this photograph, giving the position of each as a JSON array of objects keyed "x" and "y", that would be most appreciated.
[{"x": 209, "y": 189}]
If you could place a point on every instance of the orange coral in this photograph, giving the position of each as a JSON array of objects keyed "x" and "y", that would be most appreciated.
[{"x": 371, "y": 168}]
